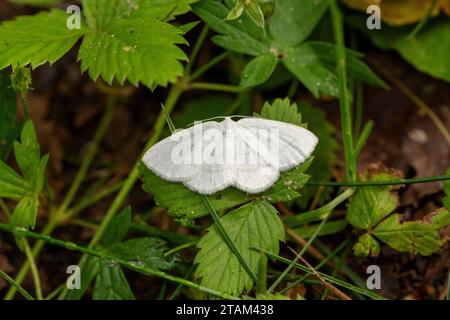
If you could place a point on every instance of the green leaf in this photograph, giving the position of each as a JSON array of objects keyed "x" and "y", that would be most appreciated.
[
  {"x": 366, "y": 246},
  {"x": 184, "y": 203},
  {"x": 12, "y": 185},
  {"x": 27, "y": 153},
  {"x": 316, "y": 77},
  {"x": 258, "y": 70},
  {"x": 324, "y": 154},
  {"x": 427, "y": 51},
  {"x": 324, "y": 53},
  {"x": 88, "y": 273},
  {"x": 282, "y": 110},
  {"x": 294, "y": 20},
  {"x": 35, "y": 40},
  {"x": 145, "y": 252},
  {"x": 24, "y": 214},
  {"x": 328, "y": 228},
  {"x": 255, "y": 225},
  {"x": 240, "y": 35},
  {"x": 289, "y": 184},
  {"x": 8, "y": 113},
  {"x": 446, "y": 200},
  {"x": 137, "y": 48},
  {"x": 369, "y": 205},
  {"x": 111, "y": 284},
  {"x": 117, "y": 228},
  {"x": 167, "y": 8},
  {"x": 414, "y": 236}
]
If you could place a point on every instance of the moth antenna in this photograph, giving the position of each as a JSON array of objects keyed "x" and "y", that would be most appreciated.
[{"x": 168, "y": 119}]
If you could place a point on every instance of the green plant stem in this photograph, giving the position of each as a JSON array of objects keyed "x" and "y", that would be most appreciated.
[
  {"x": 196, "y": 50},
  {"x": 344, "y": 98},
  {"x": 298, "y": 256},
  {"x": 362, "y": 139},
  {"x": 329, "y": 278},
  {"x": 180, "y": 286},
  {"x": 422, "y": 22},
  {"x": 55, "y": 292},
  {"x": 57, "y": 215},
  {"x": 335, "y": 271},
  {"x": 128, "y": 184},
  {"x": 352, "y": 275},
  {"x": 358, "y": 110},
  {"x": 34, "y": 270},
  {"x": 318, "y": 266},
  {"x": 14, "y": 284},
  {"x": 23, "y": 99},
  {"x": 5, "y": 209},
  {"x": 227, "y": 239},
  {"x": 105, "y": 256},
  {"x": 214, "y": 61},
  {"x": 92, "y": 200},
  {"x": 90, "y": 154},
  {"x": 181, "y": 247},
  {"x": 214, "y": 87},
  {"x": 378, "y": 183},
  {"x": 319, "y": 213}
]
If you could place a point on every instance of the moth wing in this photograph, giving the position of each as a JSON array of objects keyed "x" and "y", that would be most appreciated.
[
  {"x": 292, "y": 144},
  {"x": 176, "y": 158}
]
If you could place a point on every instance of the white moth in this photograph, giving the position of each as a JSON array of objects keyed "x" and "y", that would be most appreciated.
[{"x": 248, "y": 154}]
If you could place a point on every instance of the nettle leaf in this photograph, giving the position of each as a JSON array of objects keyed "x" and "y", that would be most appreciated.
[
  {"x": 144, "y": 252},
  {"x": 324, "y": 155},
  {"x": 294, "y": 20},
  {"x": 258, "y": 70},
  {"x": 282, "y": 110},
  {"x": 289, "y": 184},
  {"x": 255, "y": 225},
  {"x": 240, "y": 35},
  {"x": 35, "y": 40},
  {"x": 101, "y": 13},
  {"x": 111, "y": 284},
  {"x": 446, "y": 200},
  {"x": 369, "y": 205},
  {"x": 414, "y": 236},
  {"x": 9, "y": 129},
  {"x": 127, "y": 44},
  {"x": 181, "y": 202}
]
